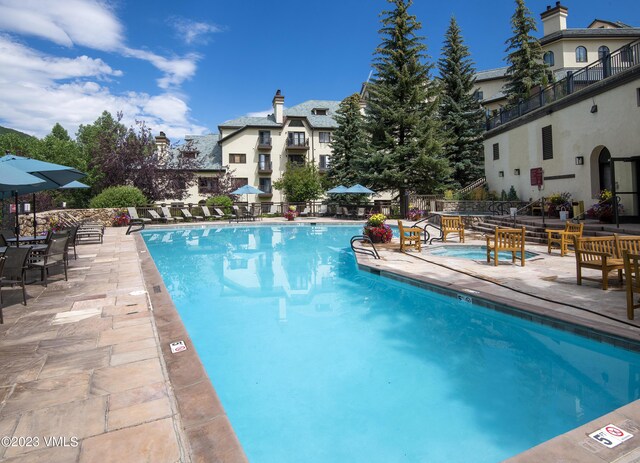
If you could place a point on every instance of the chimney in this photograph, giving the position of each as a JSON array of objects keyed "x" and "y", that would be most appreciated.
[
  {"x": 162, "y": 144},
  {"x": 554, "y": 19},
  {"x": 278, "y": 107}
]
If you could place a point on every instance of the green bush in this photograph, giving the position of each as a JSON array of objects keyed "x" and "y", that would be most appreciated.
[
  {"x": 223, "y": 202},
  {"x": 119, "y": 196},
  {"x": 512, "y": 195}
]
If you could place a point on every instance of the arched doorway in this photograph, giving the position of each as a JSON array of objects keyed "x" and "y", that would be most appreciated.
[{"x": 604, "y": 170}]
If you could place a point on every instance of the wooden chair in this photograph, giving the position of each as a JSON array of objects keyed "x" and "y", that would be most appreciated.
[
  {"x": 507, "y": 239},
  {"x": 632, "y": 280},
  {"x": 409, "y": 237},
  {"x": 563, "y": 238},
  {"x": 452, "y": 224},
  {"x": 598, "y": 253}
]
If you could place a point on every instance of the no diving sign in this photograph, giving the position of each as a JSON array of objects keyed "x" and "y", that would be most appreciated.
[
  {"x": 177, "y": 346},
  {"x": 610, "y": 436}
]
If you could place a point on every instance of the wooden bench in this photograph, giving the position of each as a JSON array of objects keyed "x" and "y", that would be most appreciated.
[
  {"x": 507, "y": 239},
  {"x": 563, "y": 238},
  {"x": 452, "y": 224},
  {"x": 632, "y": 280},
  {"x": 598, "y": 253},
  {"x": 409, "y": 236}
]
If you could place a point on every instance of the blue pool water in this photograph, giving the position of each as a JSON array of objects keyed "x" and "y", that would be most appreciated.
[
  {"x": 315, "y": 361},
  {"x": 473, "y": 252}
]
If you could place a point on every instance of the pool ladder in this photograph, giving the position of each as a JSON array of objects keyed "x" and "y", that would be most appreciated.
[
  {"x": 427, "y": 222},
  {"x": 362, "y": 250}
]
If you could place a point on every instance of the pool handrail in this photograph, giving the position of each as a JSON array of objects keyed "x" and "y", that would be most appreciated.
[{"x": 370, "y": 252}]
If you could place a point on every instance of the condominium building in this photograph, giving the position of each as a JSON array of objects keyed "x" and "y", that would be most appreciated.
[{"x": 565, "y": 50}]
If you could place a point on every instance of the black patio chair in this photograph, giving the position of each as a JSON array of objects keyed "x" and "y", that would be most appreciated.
[
  {"x": 15, "y": 267},
  {"x": 53, "y": 255}
]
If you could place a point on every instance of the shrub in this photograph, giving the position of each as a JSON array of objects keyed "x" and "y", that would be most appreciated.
[
  {"x": 119, "y": 196},
  {"x": 512, "y": 195},
  {"x": 223, "y": 202}
]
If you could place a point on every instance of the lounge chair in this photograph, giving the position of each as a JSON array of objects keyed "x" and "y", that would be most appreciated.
[
  {"x": 564, "y": 238},
  {"x": 157, "y": 217},
  {"x": 53, "y": 255},
  {"x": 305, "y": 212},
  {"x": 90, "y": 231},
  {"x": 2, "y": 260},
  {"x": 133, "y": 213},
  {"x": 507, "y": 239},
  {"x": 360, "y": 213},
  {"x": 206, "y": 213},
  {"x": 220, "y": 214},
  {"x": 323, "y": 210},
  {"x": 167, "y": 213},
  {"x": 409, "y": 237},
  {"x": 15, "y": 268},
  {"x": 188, "y": 216}
]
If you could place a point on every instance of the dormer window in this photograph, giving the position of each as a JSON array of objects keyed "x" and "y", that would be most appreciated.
[
  {"x": 296, "y": 123},
  {"x": 319, "y": 111}
]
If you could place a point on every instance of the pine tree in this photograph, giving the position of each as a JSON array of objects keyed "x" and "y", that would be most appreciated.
[
  {"x": 460, "y": 113},
  {"x": 349, "y": 144},
  {"x": 406, "y": 144},
  {"x": 526, "y": 68}
]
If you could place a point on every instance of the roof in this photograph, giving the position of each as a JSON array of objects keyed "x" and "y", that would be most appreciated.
[
  {"x": 617, "y": 24},
  {"x": 630, "y": 33},
  {"x": 491, "y": 74},
  {"x": 267, "y": 121},
  {"x": 209, "y": 151},
  {"x": 305, "y": 110}
]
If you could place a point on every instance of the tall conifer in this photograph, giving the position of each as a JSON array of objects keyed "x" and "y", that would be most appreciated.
[
  {"x": 461, "y": 115},
  {"x": 526, "y": 69},
  {"x": 406, "y": 146}
]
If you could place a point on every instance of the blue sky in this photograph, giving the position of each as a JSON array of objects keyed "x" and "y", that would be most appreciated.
[{"x": 186, "y": 66}]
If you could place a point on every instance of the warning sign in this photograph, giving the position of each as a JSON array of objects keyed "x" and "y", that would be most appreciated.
[
  {"x": 177, "y": 346},
  {"x": 611, "y": 436}
]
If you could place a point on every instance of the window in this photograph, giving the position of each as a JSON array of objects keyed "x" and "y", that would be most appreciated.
[
  {"x": 189, "y": 154},
  {"x": 324, "y": 162},
  {"x": 264, "y": 162},
  {"x": 603, "y": 51},
  {"x": 319, "y": 111},
  {"x": 296, "y": 139},
  {"x": 626, "y": 54},
  {"x": 237, "y": 158},
  {"x": 238, "y": 182},
  {"x": 496, "y": 151},
  {"x": 478, "y": 95},
  {"x": 296, "y": 123},
  {"x": 325, "y": 137},
  {"x": 549, "y": 59},
  {"x": 207, "y": 185},
  {"x": 265, "y": 184},
  {"x": 296, "y": 159},
  {"x": 581, "y": 54},
  {"x": 264, "y": 138},
  {"x": 547, "y": 143}
]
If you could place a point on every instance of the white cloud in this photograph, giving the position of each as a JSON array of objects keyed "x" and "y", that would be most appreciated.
[
  {"x": 192, "y": 31},
  {"x": 264, "y": 113},
  {"x": 176, "y": 70}
]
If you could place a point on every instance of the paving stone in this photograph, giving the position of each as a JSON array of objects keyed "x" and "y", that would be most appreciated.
[
  {"x": 68, "y": 344},
  {"x": 8, "y": 424},
  {"x": 64, "y": 364},
  {"x": 128, "y": 376},
  {"x": 133, "y": 346},
  {"x": 139, "y": 413},
  {"x": 127, "y": 334},
  {"x": 215, "y": 441},
  {"x": 20, "y": 369},
  {"x": 97, "y": 301},
  {"x": 198, "y": 403},
  {"x": 47, "y": 392},
  {"x": 158, "y": 445},
  {"x": 131, "y": 319},
  {"x": 138, "y": 395},
  {"x": 49, "y": 455},
  {"x": 134, "y": 356}
]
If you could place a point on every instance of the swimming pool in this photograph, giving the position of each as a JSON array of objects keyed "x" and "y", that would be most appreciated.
[
  {"x": 316, "y": 361},
  {"x": 476, "y": 252}
]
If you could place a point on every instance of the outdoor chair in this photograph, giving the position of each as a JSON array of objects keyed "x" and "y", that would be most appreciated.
[
  {"x": 452, "y": 224},
  {"x": 632, "y": 280},
  {"x": 348, "y": 214},
  {"x": 563, "y": 238},
  {"x": 597, "y": 253},
  {"x": 157, "y": 217},
  {"x": 323, "y": 210},
  {"x": 167, "y": 213},
  {"x": 409, "y": 236},
  {"x": 133, "y": 213},
  {"x": 15, "y": 268},
  {"x": 188, "y": 216},
  {"x": 506, "y": 239},
  {"x": 206, "y": 213},
  {"x": 360, "y": 213},
  {"x": 2, "y": 260},
  {"x": 305, "y": 212},
  {"x": 53, "y": 255},
  {"x": 90, "y": 231},
  {"x": 3, "y": 241},
  {"x": 220, "y": 213},
  {"x": 7, "y": 233}
]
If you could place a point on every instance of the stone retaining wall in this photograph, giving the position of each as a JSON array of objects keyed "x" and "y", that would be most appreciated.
[{"x": 102, "y": 216}]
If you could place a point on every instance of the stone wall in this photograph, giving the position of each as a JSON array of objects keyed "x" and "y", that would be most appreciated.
[{"x": 103, "y": 216}]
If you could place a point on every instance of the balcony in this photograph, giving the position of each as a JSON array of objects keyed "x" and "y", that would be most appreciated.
[
  {"x": 267, "y": 191},
  {"x": 297, "y": 159},
  {"x": 324, "y": 168},
  {"x": 264, "y": 143},
  {"x": 297, "y": 144},
  {"x": 265, "y": 167}
]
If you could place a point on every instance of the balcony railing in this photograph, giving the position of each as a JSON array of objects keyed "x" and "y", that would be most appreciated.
[
  {"x": 266, "y": 191},
  {"x": 264, "y": 143},
  {"x": 619, "y": 61},
  {"x": 293, "y": 143},
  {"x": 265, "y": 167}
]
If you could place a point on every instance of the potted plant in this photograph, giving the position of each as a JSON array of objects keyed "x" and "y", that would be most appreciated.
[
  {"x": 121, "y": 220},
  {"x": 603, "y": 211},
  {"x": 558, "y": 202},
  {"x": 377, "y": 230},
  {"x": 291, "y": 213},
  {"x": 414, "y": 214}
]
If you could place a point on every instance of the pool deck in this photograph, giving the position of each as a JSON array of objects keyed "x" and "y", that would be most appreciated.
[{"x": 88, "y": 362}]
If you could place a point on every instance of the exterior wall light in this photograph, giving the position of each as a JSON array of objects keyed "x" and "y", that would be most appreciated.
[
  {"x": 594, "y": 108},
  {"x": 516, "y": 171},
  {"x": 579, "y": 160},
  {"x": 501, "y": 173}
]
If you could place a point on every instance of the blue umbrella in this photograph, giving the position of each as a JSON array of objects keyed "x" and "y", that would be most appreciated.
[
  {"x": 359, "y": 189},
  {"x": 74, "y": 184},
  {"x": 247, "y": 190},
  {"x": 11, "y": 179},
  {"x": 337, "y": 190}
]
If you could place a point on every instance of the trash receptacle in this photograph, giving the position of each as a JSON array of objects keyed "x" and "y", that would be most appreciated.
[
  {"x": 578, "y": 208},
  {"x": 564, "y": 215}
]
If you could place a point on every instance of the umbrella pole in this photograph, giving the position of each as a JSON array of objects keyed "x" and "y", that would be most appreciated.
[
  {"x": 35, "y": 224},
  {"x": 17, "y": 229}
]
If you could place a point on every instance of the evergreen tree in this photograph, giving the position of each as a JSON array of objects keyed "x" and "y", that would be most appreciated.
[
  {"x": 349, "y": 144},
  {"x": 526, "y": 68},
  {"x": 406, "y": 151},
  {"x": 460, "y": 113}
]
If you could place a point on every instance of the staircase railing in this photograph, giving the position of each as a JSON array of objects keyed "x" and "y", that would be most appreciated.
[
  {"x": 373, "y": 252},
  {"x": 472, "y": 186},
  {"x": 528, "y": 206}
]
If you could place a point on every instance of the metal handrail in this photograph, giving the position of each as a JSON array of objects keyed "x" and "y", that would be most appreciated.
[
  {"x": 135, "y": 223},
  {"x": 576, "y": 218},
  {"x": 370, "y": 252},
  {"x": 527, "y": 206},
  {"x": 424, "y": 223}
]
